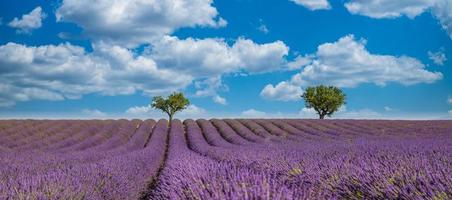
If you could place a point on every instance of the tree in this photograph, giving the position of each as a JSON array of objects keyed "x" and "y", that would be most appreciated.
[
  {"x": 172, "y": 104},
  {"x": 324, "y": 99}
]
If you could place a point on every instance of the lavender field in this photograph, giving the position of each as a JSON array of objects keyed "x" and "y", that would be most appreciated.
[{"x": 225, "y": 159}]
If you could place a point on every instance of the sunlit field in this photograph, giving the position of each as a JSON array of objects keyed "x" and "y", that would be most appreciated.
[{"x": 225, "y": 159}]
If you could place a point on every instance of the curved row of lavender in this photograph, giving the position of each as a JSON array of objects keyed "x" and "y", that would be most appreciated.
[
  {"x": 307, "y": 159},
  {"x": 226, "y": 159},
  {"x": 81, "y": 159}
]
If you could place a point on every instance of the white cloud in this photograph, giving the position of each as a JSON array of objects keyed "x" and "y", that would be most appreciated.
[
  {"x": 347, "y": 63},
  {"x": 139, "y": 110},
  {"x": 299, "y": 62},
  {"x": 94, "y": 113},
  {"x": 258, "y": 58},
  {"x": 253, "y": 113},
  {"x": 314, "y": 4},
  {"x": 343, "y": 113},
  {"x": 311, "y": 113},
  {"x": 10, "y": 94},
  {"x": 450, "y": 112},
  {"x": 28, "y": 22},
  {"x": 358, "y": 114},
  {"x": 308, "y": 113},
  {"x": 410, "y": 8},
  {"x": 135, "y": 22},
  {"x": 192, "y": 111},
  {"x": 438, "y": 57},
  {"x": 449, "y": 100},
  {"x": 201, "y": 57},
  {"x": 208, "y": 59},
  {"x": 65, "y": 72},
  {"x": 170, "y": 64},
  {"x": 388, "y": 8},
  {"x": 219, "y": 100},
  {"x": 210, "y": 88},
  {"x": 213, "y": 56},
  {"x": 387, "y": 108},
  {"x": 442, "y": 11},
  {"x": 283, "y": 91}
]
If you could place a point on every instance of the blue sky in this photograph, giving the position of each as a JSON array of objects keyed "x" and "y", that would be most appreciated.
[{"x": 232, "y": 58}]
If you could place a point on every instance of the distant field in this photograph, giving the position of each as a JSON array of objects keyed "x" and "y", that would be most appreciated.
[{"x": 225, "y": 159}]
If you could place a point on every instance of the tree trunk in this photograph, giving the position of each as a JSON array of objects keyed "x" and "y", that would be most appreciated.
[
  {"x": 322, "y": 116},
  {"x": 170, "y": 119}
]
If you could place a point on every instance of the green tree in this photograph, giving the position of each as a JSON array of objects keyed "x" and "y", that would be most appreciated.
[
  {"x": 172, "y": 104},
  {"x": 324, "y": 99}
]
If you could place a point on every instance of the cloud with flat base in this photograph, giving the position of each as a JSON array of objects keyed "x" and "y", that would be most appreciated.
[
  {"x": 390, "y": 9},
  {"x": 347, "y": 63},
  {"x": 314, "y": 4}
]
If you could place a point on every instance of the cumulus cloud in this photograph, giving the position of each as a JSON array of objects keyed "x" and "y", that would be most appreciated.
[
  {"x": 28, "y": 22},
  {"x": 208, "y": 59},
  {"x": 65, "y": 71},
  {"x": 112, "y": 68},
  {"x": 314, "y": 4},
  {"x": 299, "y": 62},
  {"x": 210, "y": 87},
  {"x": 10, "y": 94},
  {"x": 388, "y": 8},
  {"x": 135, "y": 22},
  {"x": 283, "y": 91},
  {"x": 347, "y": 63},
  {"x": 213, "y": 56},
  {"x": 139, "y": 110},
  {"x": 171, "y": 64},
  {"x": 410, "y": 8},
  {"x": 449, "y": 100},
  {"x": 258, "y": 58},
  {"x": 442, "y": 11},
  {"x": 253, "y": 113},
  {"x": 450, "y": 112},
  {"x": 438, "y": 57}
]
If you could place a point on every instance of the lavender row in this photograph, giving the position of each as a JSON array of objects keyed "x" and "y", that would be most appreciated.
[
  {"x": 111, "y": 174},
  {"x": 228, "y": 133}
]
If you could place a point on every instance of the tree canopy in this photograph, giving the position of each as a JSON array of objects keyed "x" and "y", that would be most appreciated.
[
  {"x": 325, "y": 100},
  {"x": 170, "y": 105}
]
